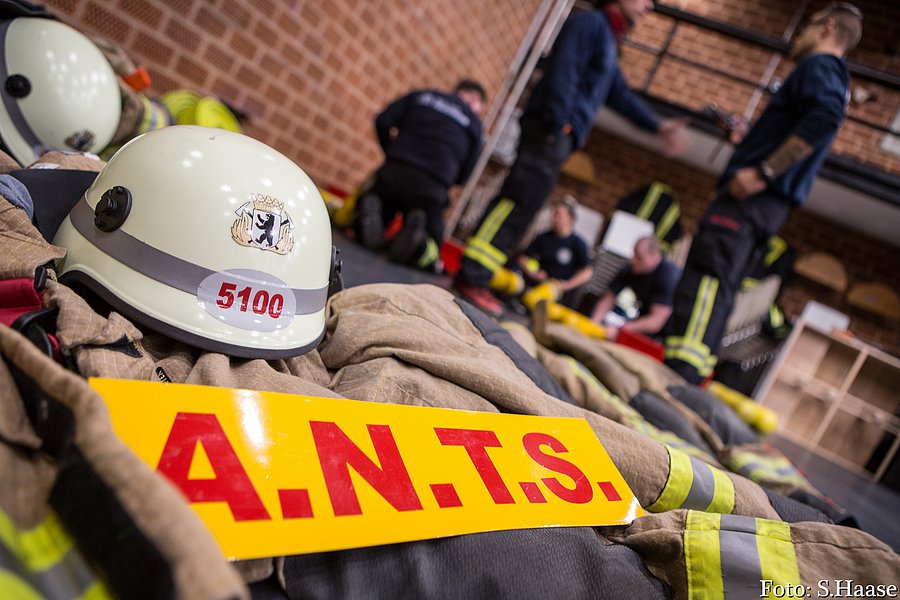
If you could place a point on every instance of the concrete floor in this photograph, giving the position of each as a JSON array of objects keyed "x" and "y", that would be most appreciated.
[{"x": 876, "y": 507}]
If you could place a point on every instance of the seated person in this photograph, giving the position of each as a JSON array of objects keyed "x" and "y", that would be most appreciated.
[
  {"x": 431, "y": 140},
  {"x": 653, "y": 280},
  {"x": 560, "y": 253}
]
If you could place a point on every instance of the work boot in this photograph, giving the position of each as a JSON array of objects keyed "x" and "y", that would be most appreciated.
[
  {"x": 369, "y": 224},
  {"x": 481, "y": 298},
  {"x": 407, "y": 245}
]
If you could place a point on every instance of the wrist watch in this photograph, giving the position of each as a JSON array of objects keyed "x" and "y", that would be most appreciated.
[{"x": 765, "y": 171}]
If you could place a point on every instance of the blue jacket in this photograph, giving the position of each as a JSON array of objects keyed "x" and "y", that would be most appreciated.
[
  {"x": 437, "y": 133},
  {"x": 582, "y": 74},
  {"x": 811, "y": 104}
]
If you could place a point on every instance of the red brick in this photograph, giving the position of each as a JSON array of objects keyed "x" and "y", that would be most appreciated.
[
  {"x": 192, "y": 71},
  {"x": 151, "y": 50},
  {"x": 211, "y": 22},
  {"x": 182, "y": 35},
  {"x": 143, "y": 11},
  {"x": 244, "y": 45},
  {"x": 105, "y": 22}
]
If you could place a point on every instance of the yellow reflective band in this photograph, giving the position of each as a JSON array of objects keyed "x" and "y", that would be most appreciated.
[
  {"x": 646, "y": 209},
  {"x": 13, "y": 586},
  {"x": 38, "y": 548},
  {"x": 748, "y": 283},
  {"x": 703, "y": 305},
  {"x": 678, "y": 484},
  {"x": 777, "y": 247},
  {"x": 489, "y": 250},
  {"x": 495, "y": 219},
  {"x": 668, "y": 220},
  {"x": 695, "y": 354},
  {"x": 97, "y": 591},
  {"x": 777, "y": 556},
  {"x": 736, "y": 553},
  {"x": 723, "y": 496},
  {"x": 776, "y": 317},
  {"x": 694, "y": 484},
  {"x": 473, "y": 253},
  {"x": 429, "y": 255},
  {"x": 702, "y": 556}
]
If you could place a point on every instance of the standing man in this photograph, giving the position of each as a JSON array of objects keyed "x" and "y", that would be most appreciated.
[
  {"x": 431, "y": 141},
  {"x": 770, "y": 172},
  {"x": 582, "y": 74},
  {"x": 653, "y": 279}
]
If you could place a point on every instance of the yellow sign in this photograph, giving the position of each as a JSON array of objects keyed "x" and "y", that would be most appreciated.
[{"x": 276, "y": 474}]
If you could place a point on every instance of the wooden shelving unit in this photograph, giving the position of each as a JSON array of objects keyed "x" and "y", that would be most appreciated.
[{"x": 837, "y": 396}]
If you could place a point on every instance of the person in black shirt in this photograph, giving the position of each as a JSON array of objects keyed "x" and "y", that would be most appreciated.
[
  {"x": 770, "y": 172},
  {"x": 652, "y": 278},
  {"x": 431, "y": 141},
  {"x": 560, "y": 253}
]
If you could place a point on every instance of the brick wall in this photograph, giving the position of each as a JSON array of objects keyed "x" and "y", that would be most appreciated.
[
  {"x": 695, "y": 88},
  {"x": 311, "y": 75}
]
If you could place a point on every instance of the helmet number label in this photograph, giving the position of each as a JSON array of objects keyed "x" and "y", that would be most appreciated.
[{"x": 248, "y": 299}]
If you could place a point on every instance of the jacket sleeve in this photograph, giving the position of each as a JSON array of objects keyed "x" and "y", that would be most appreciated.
[
  {"x": 391, "y": 116},
  {"x": 475, "y": 146},
  {"x": 822, "y": 97},
  {"x": 568, "y": 62},
  {"x": 628, "y": 104}
]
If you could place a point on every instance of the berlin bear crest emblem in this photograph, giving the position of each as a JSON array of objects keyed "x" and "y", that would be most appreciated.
[{"x": 263, "y": 222}]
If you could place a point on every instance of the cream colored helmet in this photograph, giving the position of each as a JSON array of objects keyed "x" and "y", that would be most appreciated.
[
  {"x": 58, "y": 90},
  {"x": 208, "y": 236}
]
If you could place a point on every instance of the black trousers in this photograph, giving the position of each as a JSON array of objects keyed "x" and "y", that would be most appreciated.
[
  {"x": 526, "y": 187},
  {"x": 403, "y": 188},
  {"x": 732, "y": 233}
]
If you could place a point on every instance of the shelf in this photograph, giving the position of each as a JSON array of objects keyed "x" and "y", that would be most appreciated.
[{"x": 837, "y": 397}]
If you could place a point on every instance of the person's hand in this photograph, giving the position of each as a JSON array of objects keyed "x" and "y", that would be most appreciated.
[
  {"x": 737, "y": 129},
  {"x": 673, "y": 136},
  {"x": 540, "y": 275},
  {"x": 746, "y": 182},
  {"x": 612, "y": 332}
]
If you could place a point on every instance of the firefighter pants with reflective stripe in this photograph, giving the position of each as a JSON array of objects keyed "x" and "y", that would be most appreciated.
[
  {"x": 529, "y": 182},
  {"x": 730, "y": 234}
]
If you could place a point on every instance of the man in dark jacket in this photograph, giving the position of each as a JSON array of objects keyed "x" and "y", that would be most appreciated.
[
  {"x": 770, "y": 172},
  {"x": 431, "y": 140},
  {"x": 582, "y": 75}
]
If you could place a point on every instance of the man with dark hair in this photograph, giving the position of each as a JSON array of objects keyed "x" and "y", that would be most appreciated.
[
  {"x": 770, "y": 172},
  {"x": 581, "y": 75},
  {"x": 652, "y": 278},
  {"x": 431, "y": 140}
]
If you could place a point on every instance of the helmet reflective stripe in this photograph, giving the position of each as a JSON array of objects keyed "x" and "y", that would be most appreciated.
[
  {"x": 11, "y": 104},
  {"x": 165, "y": 268}
]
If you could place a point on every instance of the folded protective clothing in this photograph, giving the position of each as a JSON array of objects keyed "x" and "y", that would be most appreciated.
[
  {"x": 706, "y": 555},
  {"x": 82, "y": 514}
]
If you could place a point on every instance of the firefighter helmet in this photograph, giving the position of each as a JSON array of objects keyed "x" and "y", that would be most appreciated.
[
  {"x": 208, "y": 236},
  {"x": 58, "y": 90}
]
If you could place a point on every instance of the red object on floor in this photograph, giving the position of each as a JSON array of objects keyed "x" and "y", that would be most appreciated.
[
  {"x": 451, "y": 256},
  {"x": 17, "y": 297},
  {"x": 642, "y": 343},
  {"x": 394, "y": 227}
]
